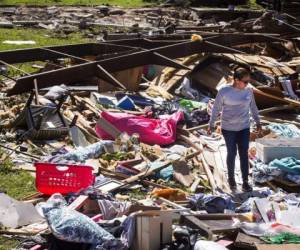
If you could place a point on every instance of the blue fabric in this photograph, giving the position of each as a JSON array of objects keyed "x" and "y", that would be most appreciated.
[
  {"x": 285, "y": 130},
  {"x": 138, "y": 100},
  {"x": 263, "y": 173},
  {"x": 166, "y": 173},
  {"x": 237, "y": 140},
  {"x": 246, "y": 206},
  {"x": 126, "y": 103},
  {"x": 292, "y": 200},
  {"x": 112, "y": 209},
  {"x": 258, "y": 192},
  {"x": 286, "y": 168},
  {"x": 287, "y": 164},
  {"x": 92, "y": 151},
  {"x": 69, "y": 225},
  {"x": 212, "y": 203},
  {"x": 81, "y": 154},
  {"x": 294, "y": 178},
  {"x": 128, "y": 233}
]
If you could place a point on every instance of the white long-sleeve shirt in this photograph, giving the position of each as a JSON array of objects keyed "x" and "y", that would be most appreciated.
[{"x": 235, "y": 105}]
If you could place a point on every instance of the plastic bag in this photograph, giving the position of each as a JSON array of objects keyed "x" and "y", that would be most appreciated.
[
  {"x": 208, "y": 245},
  {"x": 152, "y": 131},
  {"x": 15, "y": 213},
  {"x": 56, "y": 92},
  {"x": 187, "y": 91},
  {"x": 191, "y": 105},
  {"x": 81, "y": 154}
]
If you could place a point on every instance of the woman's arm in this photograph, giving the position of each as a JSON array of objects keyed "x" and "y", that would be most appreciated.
[
  {"x": 216, "y": 110},
  {"x": 254, "y": 110}
]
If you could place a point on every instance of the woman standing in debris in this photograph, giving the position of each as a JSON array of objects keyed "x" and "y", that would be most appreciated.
[{"x": 236, "y": 101}]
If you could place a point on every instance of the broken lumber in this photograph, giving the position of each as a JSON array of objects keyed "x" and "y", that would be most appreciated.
[{"x": 205, "y": 165}]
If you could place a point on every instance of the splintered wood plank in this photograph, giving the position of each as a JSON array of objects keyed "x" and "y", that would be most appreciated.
[
  {"x": 78, "y": 202},
  {"x": 215, "y": 160},
  {"x": 264, "y": 63},
  {"x": 174, "y": 80},
  {"x": 170, "y": 76}
]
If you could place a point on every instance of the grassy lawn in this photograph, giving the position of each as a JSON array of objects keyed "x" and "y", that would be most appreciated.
[
  {"x": 252, "y": 4},
  {"x": 41, "y": 37},
  {"x": 7, "y": 243},
  {"x": 19, "y": 183},
  {"x": 16, "y": 184},
  {"x": 123, "y": 3}
]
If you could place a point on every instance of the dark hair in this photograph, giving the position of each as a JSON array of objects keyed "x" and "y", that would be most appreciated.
[{"x": 240, "y": 73}]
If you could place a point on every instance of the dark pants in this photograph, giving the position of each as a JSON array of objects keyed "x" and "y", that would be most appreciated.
[{"x": 237, "y": 140}]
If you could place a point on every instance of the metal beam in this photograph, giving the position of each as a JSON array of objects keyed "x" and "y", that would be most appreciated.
[
  {"x": 240, "y": 39},
  {"x": 78, "y": 50},
  {"x": 160, "y": 56},
  {"x": 87, "y": 70},
  {"x": 65, "y": 55},
  {"x": 104, "y": 75},
  {"x": 163, "y": 60},
  {"x": 14, "y": 67},
  {"x": 143, "y": 43}
]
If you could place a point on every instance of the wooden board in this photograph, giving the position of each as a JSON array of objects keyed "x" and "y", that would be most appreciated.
[
  {"x": 245, "y": 241},
  {"x": 266, "y": 64},
  {"x": 215, "y": 160},
  {"x": 130, "y": 78},
  {"x": 170, "y": 77}
]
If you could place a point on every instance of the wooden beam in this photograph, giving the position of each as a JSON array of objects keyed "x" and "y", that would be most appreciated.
[{"x": 273, "y": 109}]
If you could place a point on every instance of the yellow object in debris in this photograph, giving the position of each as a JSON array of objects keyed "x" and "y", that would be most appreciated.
[
  {"x": 246, "y": 217},
  {"x": 156, "y": 91},
  {"x": 196, "y": 38},
  {"x": 171, "y": 194}
]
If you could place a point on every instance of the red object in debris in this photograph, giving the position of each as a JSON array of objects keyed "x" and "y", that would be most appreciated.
[
  {"x": 58, "y": 178},
  {"x": 97, "y": 218},
  {"x": 151, "y": 131},
  {"x": 36, "y": 247}
]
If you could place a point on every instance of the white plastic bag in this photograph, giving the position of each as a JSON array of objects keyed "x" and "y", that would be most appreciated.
[
  {"x": 208, "y": 245},
  {"x": 15, "y": 213}
]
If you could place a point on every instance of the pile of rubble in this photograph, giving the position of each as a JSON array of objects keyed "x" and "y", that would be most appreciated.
[
  {"x": 115, "y": 133},
  {"x": 74, "y": 19}
]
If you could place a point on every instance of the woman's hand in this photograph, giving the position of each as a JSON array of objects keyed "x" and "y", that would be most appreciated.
[
  {"x": 209, "y": 131},
  {"x": 259, "y": 129}
]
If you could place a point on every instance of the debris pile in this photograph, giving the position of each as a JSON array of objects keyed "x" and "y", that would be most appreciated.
[{"x": 116, "y": 136}]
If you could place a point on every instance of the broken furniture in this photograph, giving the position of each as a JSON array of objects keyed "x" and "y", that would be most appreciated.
[{"x": 41, "y": 122}]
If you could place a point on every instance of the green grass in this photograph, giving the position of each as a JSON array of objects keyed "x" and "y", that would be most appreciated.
[
  {"x": 41, "y": 37},
  {"x": 7, "y": 243},
  {"x": 252, "y": 5},
  {"x": 17, "y": 184},
  {"x": 123, "y": 3}
]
